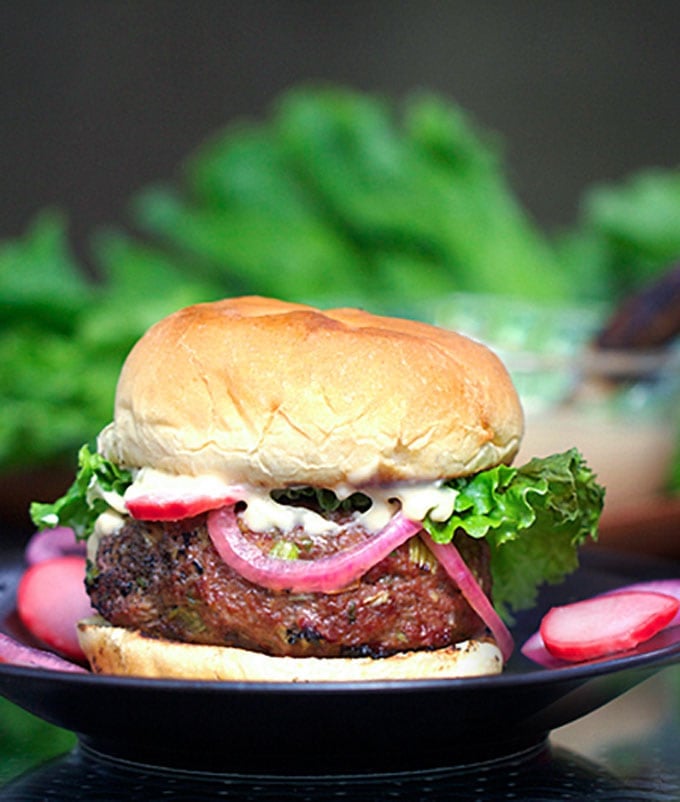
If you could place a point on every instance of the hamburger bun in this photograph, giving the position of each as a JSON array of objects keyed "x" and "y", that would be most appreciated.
[
  {"x": 119, "y": 651},
  {"x": 273, "y": 394},
  {"x": 267, "y": 395}
]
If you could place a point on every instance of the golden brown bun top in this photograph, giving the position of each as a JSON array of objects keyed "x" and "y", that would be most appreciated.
[{"x": 276, "y": 394}]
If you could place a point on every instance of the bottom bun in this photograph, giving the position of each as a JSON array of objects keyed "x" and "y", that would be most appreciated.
[{"x": 115, "y": 650}]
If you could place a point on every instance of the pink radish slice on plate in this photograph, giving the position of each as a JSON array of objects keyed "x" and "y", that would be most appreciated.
[
  {"x": 601, "y": 645},
  {"x": 51, "y": 599},
  {"x": 604, "y": 625},
  {"x": 669, "y": 587}
]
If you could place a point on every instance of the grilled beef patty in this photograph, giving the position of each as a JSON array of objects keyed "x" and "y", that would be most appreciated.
[{"x": 167, "y": 580}]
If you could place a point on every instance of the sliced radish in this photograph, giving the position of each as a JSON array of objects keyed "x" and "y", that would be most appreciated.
[
  {"x": 669, "y": 587},
  {"x": 153, "y": 508},
  {"x": 456, "y": 567},
  {"x": 535, "y": 649},
  {"x": 57, "y": 542},
  {"x": 18, "y": 654},
  {"x": 324, "y": 575},
  {"x": 606, "y": 624},
  {"x": 51, "y": 599},
  {"x": 159, "y": 496}
]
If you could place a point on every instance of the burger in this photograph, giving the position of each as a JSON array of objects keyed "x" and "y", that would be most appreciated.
[{"x": 290, "y": 494}]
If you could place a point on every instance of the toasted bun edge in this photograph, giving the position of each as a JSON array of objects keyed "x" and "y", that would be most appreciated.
[{"x": 123, "y": 652}]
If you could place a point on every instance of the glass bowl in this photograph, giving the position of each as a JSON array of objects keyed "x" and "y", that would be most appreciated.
[{"x": 620, "y": 408}]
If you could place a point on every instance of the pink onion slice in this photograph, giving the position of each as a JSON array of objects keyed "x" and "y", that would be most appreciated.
[
  {"x": 16, "y": 653},
  {"x": 324, "y": 575},
  {"x": 58, "y": 542},
  {"x": 454, "y": 565},
  {"x": 536, "y": 650}
]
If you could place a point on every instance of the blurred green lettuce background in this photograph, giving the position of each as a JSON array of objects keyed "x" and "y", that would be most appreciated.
[{"x": 335, "y": 196}]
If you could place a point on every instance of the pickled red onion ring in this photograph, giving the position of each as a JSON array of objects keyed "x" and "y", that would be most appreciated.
[
  {"x": 324, "y": 575},
  {"x": 19, "y": 654},
  {"x": 454, "y": 565}
]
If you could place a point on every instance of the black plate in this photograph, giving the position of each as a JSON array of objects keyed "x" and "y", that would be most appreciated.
[{"x": 342, "y": 727}]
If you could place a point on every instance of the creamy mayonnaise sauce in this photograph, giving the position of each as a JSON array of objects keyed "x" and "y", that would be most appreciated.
[
  {"x": 415, "y": 499},
  {"x": 263, "y": 513},
  {"x": 107, "y": 523}
]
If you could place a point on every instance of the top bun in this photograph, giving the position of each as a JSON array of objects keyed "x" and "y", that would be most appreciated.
[{"x": 278, "y": 394}]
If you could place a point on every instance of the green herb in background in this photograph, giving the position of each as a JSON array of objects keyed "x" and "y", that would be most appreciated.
[
  {"x": 334, "y": 197},
  {"x": 241, "y": 218},
  {"x": 143, "y": 285},
  {"x": 27, "y": 741},
  {"x": 420, "y": 181},
  {"x": 637, "y": 224},
  {"x": 626, "y": 235},
  {"x": 63, "y": 337},
  {"x": 342, "y": 195},
  {"x": 43, "y": 384},
  {"x": 40, "y": 280}
]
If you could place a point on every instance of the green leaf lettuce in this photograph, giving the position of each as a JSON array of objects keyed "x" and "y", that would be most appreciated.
[
  {"x": 97, "y": 482},
  {"x": 533, "y": 517}
]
